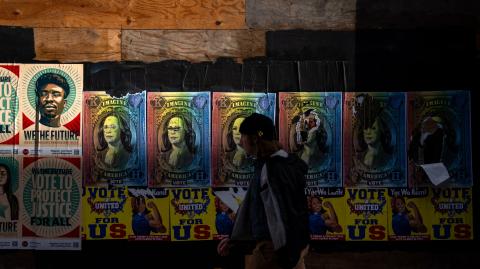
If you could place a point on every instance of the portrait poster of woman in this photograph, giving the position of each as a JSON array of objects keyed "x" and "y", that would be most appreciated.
[
  {"x": 9, "y": 202},
  {"x": 439, "y": 131},
  {"x": 231, "y": 167},
  {"x": 327, "y": 213},
  {"x": 114, "y": 141},
  {"x": 374, "y": 140},
  {"x": 149, "y": 212},
  {"x": 310, "y": 125},
  {"x": 179, "y": 139},
  {"x": 410, "y": 215}
]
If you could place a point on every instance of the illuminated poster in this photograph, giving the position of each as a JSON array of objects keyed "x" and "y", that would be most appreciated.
[
  {"x": 310, "y": 125},
  {"x": 410, "y": 214},
  {"x": 192, "y": 214},
  {"x": 452, "y": 214},
  {"x": 51, "y": 198},
  {"x": 51, "y": 107},
  {"x": 9, "y": 108},
  {"x": 105, "y": 213},
  {"x": 327, "y": 218},
  {"x": 227, "y": 202},
  {"x": 230, "y": 165},
  {"x": 439, "y": 132},
  {"x": 374, "y": 140},
  {"x": 114, "y": 140},
  {"x": 366, "y": 211},
  {"x": 10, "y": 226},
  {"x": 179, "y": 139},
  {"x": 149, "y": 212}
]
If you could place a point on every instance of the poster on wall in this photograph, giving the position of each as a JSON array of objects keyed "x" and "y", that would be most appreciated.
[
  {"x": 9, "y": 109},
  {"x": 51, "y": 108},
  {"x": 105, "y": 213},
  {"x": 192, "y": 214},
  {"x": 374, "y": 153},
  {"x": 452, "y": 213},
  {"x": 149, "y": 211},
  {"x": 410, "y": 214},
  {"x": 51, "y": 203},
  {"x": 366, "y": 214},
  {"x": 230, "y": 165},
  {"x": 310, "y": 125},
  {"x": 10, "y": 225},
  {"x": 114, "y": 148},
  {"x": 327, "y": 215},
  {"x": 227, "y": 202},
  {"x": 439, "y": 132},
  {"x": 179, "y": 139}
]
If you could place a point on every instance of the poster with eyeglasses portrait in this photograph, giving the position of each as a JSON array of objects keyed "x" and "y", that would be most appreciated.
[
  {"x": 9, "y": 109},
  {"x": 51, "y": 108},
  {"x": 231, "y": 167},
  {"x": 179, "y": 139},
  {"x": 114, "y": 140},
  {"x": 374, "y": 153},
  {"x": 310, "y": 125}
]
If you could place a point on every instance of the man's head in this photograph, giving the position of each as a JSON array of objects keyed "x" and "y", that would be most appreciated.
[
  {"x": 52, "y": 90},
  {"x": 258, "y": 135}
]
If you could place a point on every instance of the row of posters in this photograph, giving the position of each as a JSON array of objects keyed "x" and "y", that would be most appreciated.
[
  {"x": 351, "y": 139},
  {"x": 338, "y": 214},
  {"x": 192, "y": 139},
  {"x": 40, "y": 156}
]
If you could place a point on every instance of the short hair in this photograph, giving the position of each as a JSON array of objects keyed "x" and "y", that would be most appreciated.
[
  {"x": 259, "y": 125},
  {"x": 125, "y": 133},
  {"x": 52, "y": 78},
  {"x": 189, "y": 134}
]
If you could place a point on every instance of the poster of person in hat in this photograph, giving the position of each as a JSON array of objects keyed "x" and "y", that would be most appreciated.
[{"x": 51, "y": 107}]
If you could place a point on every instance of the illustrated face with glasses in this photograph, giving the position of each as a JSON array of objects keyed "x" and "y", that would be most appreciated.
[
  {"x": 111, "y": 130},
  {"x": 176, "y": 130}
]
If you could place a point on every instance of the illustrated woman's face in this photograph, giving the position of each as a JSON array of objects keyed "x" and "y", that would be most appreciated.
[
  {"x": 222, "y": 206},
  {"x": 3, "y": 176},
  {"x": 236, "y": 130},
  {"x": 372, "y": 135},
  {"x": 316, "y": 205},
  {"x": 111, "y": 130},
  {"x": 176, "y": 130},
  {"x": 400, "y": 205}
]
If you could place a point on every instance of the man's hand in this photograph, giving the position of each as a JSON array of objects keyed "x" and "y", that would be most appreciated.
[{"x": 223, "y": 248}]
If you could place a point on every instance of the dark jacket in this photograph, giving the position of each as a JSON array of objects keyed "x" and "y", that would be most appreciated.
[{"x": 285, "y": 206}]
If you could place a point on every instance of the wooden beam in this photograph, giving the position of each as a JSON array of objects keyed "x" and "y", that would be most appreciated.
[
  {"x": 77, "y": 45},
  {"x": 191, "y": 45},
  {"x": 125, "y": 14},
  {"x": 305, "y": 14}
]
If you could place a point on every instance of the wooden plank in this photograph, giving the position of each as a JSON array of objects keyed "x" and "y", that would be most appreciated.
[
  {"x": 77, "y": 45},
  {"x": 191, "y": 45},
  {"x": 305, "y": 14},
  {"x": 126, "y": 14}
]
